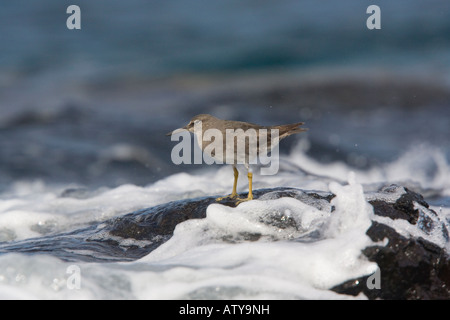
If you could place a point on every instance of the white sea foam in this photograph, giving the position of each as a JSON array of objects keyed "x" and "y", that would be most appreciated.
[
  {"x": 316, "y": 265},
  {"x": 218, "y": 255},
  {"x": 421, "y": 164},
  {"x": 233, "y": 253}
]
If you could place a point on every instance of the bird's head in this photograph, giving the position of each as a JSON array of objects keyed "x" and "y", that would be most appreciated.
[{"x": 198, "y": 119}]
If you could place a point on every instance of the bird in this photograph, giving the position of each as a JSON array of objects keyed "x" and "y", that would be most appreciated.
[{"x": 262, "y": 141}]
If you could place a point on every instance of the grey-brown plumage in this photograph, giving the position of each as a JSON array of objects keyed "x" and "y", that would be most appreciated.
[
  {"x": 257, "y": 140},
  {"x": 211, "y": 122}
]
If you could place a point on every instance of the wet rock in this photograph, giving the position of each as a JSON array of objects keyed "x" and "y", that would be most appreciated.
[
  {"x": 409, "y": 268},
  {"x": 161, "y": 220},
  {"x": 403, "y": 207}
]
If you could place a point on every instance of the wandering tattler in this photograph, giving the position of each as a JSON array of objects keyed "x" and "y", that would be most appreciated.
[{"x": 236, "y": 132}]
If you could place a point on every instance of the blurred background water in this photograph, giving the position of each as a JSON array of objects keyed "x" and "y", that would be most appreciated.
[{"x": 91, "y": 106}]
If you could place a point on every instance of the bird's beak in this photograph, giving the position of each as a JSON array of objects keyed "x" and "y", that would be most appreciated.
[{"x": 179, "y": 130}]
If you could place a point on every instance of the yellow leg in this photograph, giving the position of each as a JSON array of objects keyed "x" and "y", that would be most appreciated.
[
  {"x": 233, "y": 193},
  {"x": 250, "y": 193},
  {"x": 236, "y": 175}
]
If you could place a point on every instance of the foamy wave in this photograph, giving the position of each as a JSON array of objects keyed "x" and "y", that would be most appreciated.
[
  {"x": 422, "y": 164},
  {"x": 217, "y": 256},
  {"x": 233, "y": 252}
]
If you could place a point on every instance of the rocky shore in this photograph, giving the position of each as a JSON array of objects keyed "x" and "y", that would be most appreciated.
[{"x": 410, "y": 266}]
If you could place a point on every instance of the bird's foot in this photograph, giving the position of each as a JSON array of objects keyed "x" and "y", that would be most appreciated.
[
  {"x": 240, "y": 200},
  {"x": 230, "y": 196}
]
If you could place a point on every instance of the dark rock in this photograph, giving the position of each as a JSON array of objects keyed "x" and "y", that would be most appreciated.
[
  {"x": 409, "y": 268},
  {"x": 402, "y": 208},
  {"x": 148, "y": 223},
  {"x": 162, "y": 219}
]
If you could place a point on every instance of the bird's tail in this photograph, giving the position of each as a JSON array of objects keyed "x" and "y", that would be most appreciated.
[{"x": 289, "y": 129}]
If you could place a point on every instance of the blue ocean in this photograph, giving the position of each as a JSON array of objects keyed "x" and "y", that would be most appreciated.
[{"x": 84, "y": 113}]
